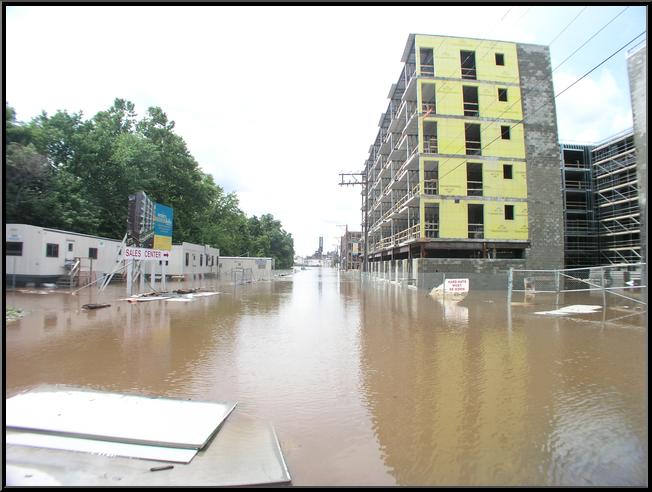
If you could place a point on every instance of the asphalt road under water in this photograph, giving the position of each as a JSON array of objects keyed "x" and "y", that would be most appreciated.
[{"x": 365, "y": 382}]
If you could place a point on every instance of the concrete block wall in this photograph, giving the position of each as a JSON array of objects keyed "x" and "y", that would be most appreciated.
[
  {"x": 542, "y": 153},
  {"x": 483, "y": 274}
]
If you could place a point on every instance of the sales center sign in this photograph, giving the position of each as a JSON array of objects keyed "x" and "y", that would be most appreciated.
[{"x": 144, "y": 254}]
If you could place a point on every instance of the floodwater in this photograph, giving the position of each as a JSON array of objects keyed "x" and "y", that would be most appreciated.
[{"x": 367, "y": 383}]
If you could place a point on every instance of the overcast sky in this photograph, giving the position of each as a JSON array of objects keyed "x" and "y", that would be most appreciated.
[{"x": 276, "y": 101}]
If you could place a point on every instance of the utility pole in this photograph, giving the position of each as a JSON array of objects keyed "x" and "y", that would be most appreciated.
[{"x": 354, "y": 179}]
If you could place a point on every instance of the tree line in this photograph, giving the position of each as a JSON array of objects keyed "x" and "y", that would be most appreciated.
[{"x": 67, "y": 172}]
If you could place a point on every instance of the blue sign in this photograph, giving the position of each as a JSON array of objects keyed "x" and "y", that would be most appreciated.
[{"x": 162, "y": 220}]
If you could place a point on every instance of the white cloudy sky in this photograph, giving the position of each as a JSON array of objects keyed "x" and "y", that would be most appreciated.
[{"x": 276, "y": 101}]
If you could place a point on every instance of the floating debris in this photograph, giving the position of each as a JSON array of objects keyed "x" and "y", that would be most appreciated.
[
  {"x": 95, "y": 306},
  {"x": 12, "y": 314},
  {"x": 574, "y": 309}
]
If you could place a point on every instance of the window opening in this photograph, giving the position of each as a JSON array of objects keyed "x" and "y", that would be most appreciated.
[
  {"x": 500, "y": 59},
  {"x": 432, "y": 220},
  {"x": 472, "y": 137},
  {"x": 92, "y": 253},
  {"x": 427, "y": 62},
  {"x": 430, "y": 137},
  {"x": 476, "y": 221},
  {"x": 502, "y": 95},
  {"x": 509, "y": 212},
  {"x": 504, "y": 132},
  {"x": 428, "y": 101},
  {"x": 474, "y": 179},
  {"x": 507, "y": 171},
  {"x": 468, "y": 64},
  {"x": 470, "y": 98}
]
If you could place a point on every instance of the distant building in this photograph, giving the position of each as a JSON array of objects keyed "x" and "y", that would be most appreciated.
[{"x": 351, "y": 250}]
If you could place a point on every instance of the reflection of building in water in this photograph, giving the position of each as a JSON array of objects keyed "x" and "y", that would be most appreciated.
[
  {"x": 444, "y": 407},
  {"x": 481, "y": 406}
]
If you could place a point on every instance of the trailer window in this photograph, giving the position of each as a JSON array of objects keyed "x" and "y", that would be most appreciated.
[
  {"x": 92, "y": 253},
  {"x": 52, "y": 250},
  {"x": 14, "y": 248}
]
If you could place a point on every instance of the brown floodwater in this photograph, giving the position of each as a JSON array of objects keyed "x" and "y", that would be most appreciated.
[{"x": 368, "y": 383}]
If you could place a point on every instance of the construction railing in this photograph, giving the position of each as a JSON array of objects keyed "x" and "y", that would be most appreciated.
[{"x": 624, "y": 280}]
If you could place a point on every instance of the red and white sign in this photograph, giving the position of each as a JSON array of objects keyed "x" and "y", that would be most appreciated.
[
  {"x": 456, "y": 285},
  {"x": 145, "y": 254}
]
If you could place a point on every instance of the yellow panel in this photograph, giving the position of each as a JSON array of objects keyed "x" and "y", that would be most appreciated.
[
  {"x": 447, "y": 57},
  {"x": 494, "y": 145},
  {"x": 453, "y": 219},
  {"x": 450, "y": 101},
  {"x": 497, "y": 227},
  {"x": 495, "y": 185},
  {"x": 163, "y": 242},
  {"x": 452, "y": 176}
]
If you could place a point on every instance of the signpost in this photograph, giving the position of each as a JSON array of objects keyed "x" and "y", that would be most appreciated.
[{"x": 149, "y": 231}]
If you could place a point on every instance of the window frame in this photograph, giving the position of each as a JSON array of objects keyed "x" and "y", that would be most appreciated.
[
  {"x": 91, "y": 250},
  {"x": 505, "y": 132},
  {"x": 9, "y": 252},
  {"x": 507, "y": 167},
  {"x": 502, "y": 90},
  {"x": 502, "y": 59},
  {"x": 48, "y": 250}
]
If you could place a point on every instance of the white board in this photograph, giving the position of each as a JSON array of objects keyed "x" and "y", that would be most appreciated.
[
  {"x": 117, "y": 417},
  {"x": 105, "y": 448}
]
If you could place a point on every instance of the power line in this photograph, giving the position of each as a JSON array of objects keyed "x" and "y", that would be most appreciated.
[
  {"x": 585, "y": 42},
  {"x": 567, "y": 26},
  {"x": 555, "y": 97},
  {"x": 519, "y": 99}
]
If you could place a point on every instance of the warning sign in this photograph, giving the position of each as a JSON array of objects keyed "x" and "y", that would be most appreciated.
[{"x": 456, "y": 285}]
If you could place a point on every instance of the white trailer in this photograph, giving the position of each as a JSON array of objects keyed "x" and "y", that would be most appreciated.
[
  {"x": 41, "y": 255},
  {"x": 246, "y": 268}
]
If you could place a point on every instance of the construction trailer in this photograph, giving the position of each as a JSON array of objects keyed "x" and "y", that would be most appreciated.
[
  {"x": 244, "y": 268},
  {"x": 39, "y": 255}
]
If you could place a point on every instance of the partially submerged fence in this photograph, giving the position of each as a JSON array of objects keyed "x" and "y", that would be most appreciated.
[
  {"x": 624, "y": 280},
  {"x": 241, "y": 275}
]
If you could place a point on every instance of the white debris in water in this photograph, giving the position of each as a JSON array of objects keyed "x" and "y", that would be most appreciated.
[{"x": 574, "y": 309}]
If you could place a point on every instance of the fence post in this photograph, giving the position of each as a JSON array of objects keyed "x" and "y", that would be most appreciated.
[
  {"x": 443, "y": 287},
  {"x": 510, "y": 279},
  {"x": 604, "y": 294},
  {"x": 557, "y": 288}
]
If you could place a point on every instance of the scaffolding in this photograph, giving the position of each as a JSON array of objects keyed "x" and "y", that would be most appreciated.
[{"x": 601, "y": 202}]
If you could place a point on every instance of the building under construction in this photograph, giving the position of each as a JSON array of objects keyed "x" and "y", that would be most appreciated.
[
  {"x": 601, "y": 202},
  {"x": 604, "y": 187},
  {"x": 465, "y": 164}
]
